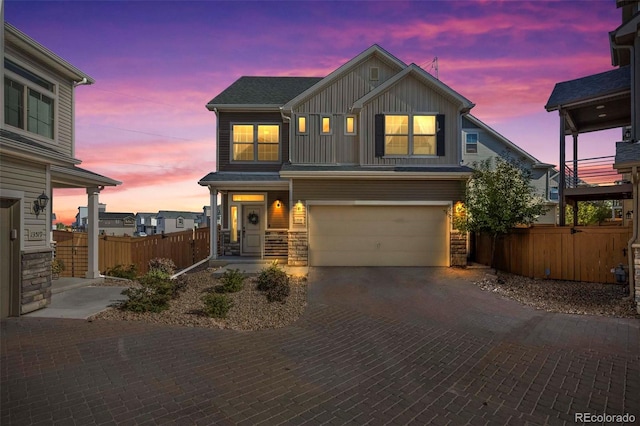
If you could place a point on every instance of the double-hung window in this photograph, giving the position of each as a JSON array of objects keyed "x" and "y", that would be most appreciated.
[
  {"x": 407, "y": 135},
  {"x": 255, "y": 142},
  {"x": 471, "y": 143},
  {"x": 28, "y": 101}
]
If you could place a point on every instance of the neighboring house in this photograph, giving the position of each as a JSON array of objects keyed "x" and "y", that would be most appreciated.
[
  {"x": 175, "y": 221},
  {"x": 37, "y": 154},
  {"x": 146, "y": 223},
  {"x": 81, "y": 217},
  {"x": 608, "y": 100},
  {"x": 361, "y": 167},
  {"x": 117, "y": 224},
  {"x": 480, "y": 142}
]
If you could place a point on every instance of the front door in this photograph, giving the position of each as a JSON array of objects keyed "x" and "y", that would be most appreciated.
[
  {"x": 252, "y": 226},
  {"x": 8, "y": 243}
]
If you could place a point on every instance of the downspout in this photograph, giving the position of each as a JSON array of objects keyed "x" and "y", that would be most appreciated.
[
  {"x": 635, "y": 181},
  {"x": 632, "y": 64},
  {"x": 287, "y": 119}
]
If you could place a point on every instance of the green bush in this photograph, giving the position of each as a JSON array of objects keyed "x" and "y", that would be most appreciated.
[
  {"x": 274, "y": 282},
  {"x": 216, "y": 305},
  {"x": 144, "y": 299},
  {"x": 163, "y": 264},
  {"x": 121, "y": 271},
  {"x": 231, "y": 281}
]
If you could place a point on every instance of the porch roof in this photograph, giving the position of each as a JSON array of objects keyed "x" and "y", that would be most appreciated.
[
  {"x": 244, "y": 180},
  {"x": 76, "y": 177},
  {"x": 376, "y": 172}
]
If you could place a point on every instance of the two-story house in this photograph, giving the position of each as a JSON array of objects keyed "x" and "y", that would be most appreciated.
[
  {"x": 118, "y": 224},
  {"x": 146, "y": 223},
  {"x": 361, "y": 167},
  {"x": 37, "y": 154},
  {"x": 481, "y": 142},
  {"x": 176, "y": 221}
]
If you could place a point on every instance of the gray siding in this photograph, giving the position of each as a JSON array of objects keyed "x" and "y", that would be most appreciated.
[
  {"x": 378, "y": 190},
  {"x": 409, "y": 96},
  {"x": 336, "y": 99},
  {"x": 63, "y": 102},
  {"x": 17, "y": 175}
]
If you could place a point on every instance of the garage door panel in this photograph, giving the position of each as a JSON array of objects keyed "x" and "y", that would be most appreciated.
[{"x": 378, "y": 236}]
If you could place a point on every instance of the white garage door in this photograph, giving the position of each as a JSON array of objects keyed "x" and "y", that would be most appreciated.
[{"x": 378, "y": 236}]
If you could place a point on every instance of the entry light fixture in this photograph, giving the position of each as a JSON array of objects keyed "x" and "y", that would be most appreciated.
[
  {"x": 40, "y": 203},
  {"x": 278, "y": 203}
]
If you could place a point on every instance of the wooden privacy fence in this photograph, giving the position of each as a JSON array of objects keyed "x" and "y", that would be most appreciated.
[
  {"x": 184, "y": 248},
  {"x": 581, "y": 253}
]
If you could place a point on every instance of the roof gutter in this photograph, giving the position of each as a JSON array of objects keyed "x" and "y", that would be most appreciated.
[{"x": 287, "y": 119}]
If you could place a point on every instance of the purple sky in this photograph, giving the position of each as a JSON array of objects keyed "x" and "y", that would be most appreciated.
[{"x": 156, "y": 65}]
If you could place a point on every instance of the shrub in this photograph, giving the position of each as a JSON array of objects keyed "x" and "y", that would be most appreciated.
[
  {"x": 216, "y": 305},
  {"x": 232, "y": 281},
  {"x": 144, "y": 299},
  {"x": 163, "y": 264},
  {"x": 274, "y": 282},
  {"x": 57, "y": 266},
  {"x": 121, "y": 271}
]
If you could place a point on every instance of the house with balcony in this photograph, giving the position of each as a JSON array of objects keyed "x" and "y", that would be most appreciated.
[
  {"x": 146, "y": 223},
  {"x": 37, "y": 155},
  {"x": 176, "y": 221},
  {"x": 607, "y": 100}
]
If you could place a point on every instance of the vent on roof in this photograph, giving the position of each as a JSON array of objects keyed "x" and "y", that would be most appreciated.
[{"x": 374, "y": 73}]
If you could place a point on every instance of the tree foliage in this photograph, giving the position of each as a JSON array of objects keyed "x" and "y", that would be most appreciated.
[
  {"x": 590, "y": 212},
  {"x": 498, "y": 197}
]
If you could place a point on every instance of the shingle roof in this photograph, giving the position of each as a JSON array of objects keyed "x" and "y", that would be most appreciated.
[
  {"x": 627, "y": 152},
  {"x": 167, "y": 214},
  {"x": 239, "y": 177},
  {"x": 263, "y": 90},
  {"x": 404, "y": 169},
  {"x": 605, "y": 83}
]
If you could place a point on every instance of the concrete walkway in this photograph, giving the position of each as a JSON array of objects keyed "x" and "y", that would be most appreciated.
[{"x": 375, "y": 346}]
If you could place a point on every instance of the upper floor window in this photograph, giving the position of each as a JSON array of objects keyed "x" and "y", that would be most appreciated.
[
  {"x": 409, "y": 135},
  {"x": 302, "y": 125},
  {"x": 350, "y": 125},
  {"x": 553, "y": 194},
  {"x": 28, "y": 101},
  {"x": 255, "y": 142},
  {"x": 471, "y": 143},
  {"x": 180, "y": 222},
  {"x": 325, "y": 125}
]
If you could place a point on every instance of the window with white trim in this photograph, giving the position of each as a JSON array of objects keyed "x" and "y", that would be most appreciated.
[
  {"x": 180, "y": 222},
  {"x": 28, "y": 100},
  {"x": 471, "y": 143},
  {"x": 255, "y": 142}
]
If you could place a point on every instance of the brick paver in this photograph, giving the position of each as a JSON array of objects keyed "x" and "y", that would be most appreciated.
[{"x": 390, "y": 346}]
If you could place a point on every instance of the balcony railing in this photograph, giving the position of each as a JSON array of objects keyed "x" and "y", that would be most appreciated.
[{"x": 594, "y": 171}]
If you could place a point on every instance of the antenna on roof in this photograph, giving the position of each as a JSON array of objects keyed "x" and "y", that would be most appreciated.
[{"x": 432, "y": 66}]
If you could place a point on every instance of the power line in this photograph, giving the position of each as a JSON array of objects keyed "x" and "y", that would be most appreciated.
[{"x": 137, "y": 131}]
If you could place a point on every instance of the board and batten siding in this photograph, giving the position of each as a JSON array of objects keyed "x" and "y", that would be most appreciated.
[
  {"x": 336, "y": 100},
  {"x": 63, "y": 102},
  {"x": 412, "y": 97},
  {"x": 30, "y": 178},
  {"x": 378, "y": 190},
  {"x": 225, "y": 119}
]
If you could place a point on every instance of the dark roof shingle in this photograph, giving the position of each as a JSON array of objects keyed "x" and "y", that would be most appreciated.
[
  {"x": 263, "y": 90},
  {"x": 596, "y": 85}
]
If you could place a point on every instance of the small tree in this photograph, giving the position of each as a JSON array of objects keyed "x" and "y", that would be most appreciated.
[
  {"x": 497, "y": 199},
  {"x": 590, "y": 212}
]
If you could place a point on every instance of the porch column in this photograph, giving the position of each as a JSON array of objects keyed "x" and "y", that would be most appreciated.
[
  {"x": 575, "y": 176},
  {"x": 92, "y": 232},
  {"x": 562, "y": 183},
  {"x": 213, "y": 246}
]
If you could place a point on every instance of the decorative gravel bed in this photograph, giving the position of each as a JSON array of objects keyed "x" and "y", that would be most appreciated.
[
  {"x": 250, "y": 311},
  {"x": 569, "y": 297}
]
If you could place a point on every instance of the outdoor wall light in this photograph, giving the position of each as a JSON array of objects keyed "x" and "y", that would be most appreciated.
[
  {"x": 278, "y": 204},
  {"x": 629, "y": 214},
  {"x": 40, "y": 203}
]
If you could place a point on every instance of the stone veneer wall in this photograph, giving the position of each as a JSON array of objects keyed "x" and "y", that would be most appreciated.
[
  {"x": 636, "y": 264},
  {"x": 227, "y": 248},
  {"x": 35, "y": 281},
  {"x": 458, "y": 248},
  {"x": 298, "y": 248}
]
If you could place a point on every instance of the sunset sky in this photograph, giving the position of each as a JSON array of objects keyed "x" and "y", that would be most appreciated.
[{"x": 157, "y": 64}]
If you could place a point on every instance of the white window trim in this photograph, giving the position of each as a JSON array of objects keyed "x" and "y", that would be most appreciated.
[
  {"x": 355, "y": 125},
  {"x": 36, "y": 87},
  {"x": 374, "y": 73},
  {"x": 306, "y": 120},
  {"x": 330, "y": 117},
  {"x": 255, "y": 142},
  {"x": 410, "y": 135},
  {"x": 466, "y": 144}
]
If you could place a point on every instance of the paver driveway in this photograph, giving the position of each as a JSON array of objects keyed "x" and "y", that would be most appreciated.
[{"x": 376, "y": 345}]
